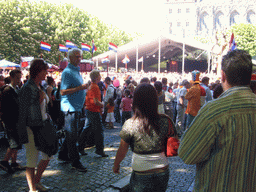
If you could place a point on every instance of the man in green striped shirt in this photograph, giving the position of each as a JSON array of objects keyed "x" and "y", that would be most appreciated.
[{"x": 221, "y": 140}]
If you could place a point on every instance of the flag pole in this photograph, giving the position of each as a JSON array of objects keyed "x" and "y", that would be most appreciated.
[
  {"x": 159, "y": 54},
  {"x": 116, "y": 61},
  {"x": 137, "y": 53}
]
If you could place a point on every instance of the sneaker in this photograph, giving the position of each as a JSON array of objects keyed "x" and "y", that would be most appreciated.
[
  {"x": 79, "y": 167},
  {"x": 41, "y": 187},
  {"x": 6, "y": 167},
  {"x": 102, "y": 154},
  {"x": 17, "y": 167}
]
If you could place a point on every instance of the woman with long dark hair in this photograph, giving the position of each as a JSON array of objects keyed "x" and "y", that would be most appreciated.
[{"x": 145, "y": 133}]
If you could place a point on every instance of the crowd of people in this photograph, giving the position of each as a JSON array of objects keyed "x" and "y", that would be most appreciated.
[{"x": 212, "y": 116}]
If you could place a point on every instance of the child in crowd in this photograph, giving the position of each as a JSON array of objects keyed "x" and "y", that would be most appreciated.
[
  {"x": 110, "y": 119},
  {"x": 126, "y": 106}
]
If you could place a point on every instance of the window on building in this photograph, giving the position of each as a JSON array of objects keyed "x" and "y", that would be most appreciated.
[
  {"x": 170, "y": 11},
  {"x": 179, "y": 10},
  {"x": 178, "y": 24},
  {"x": 187, "y": 24},
  {"x": 187, "y": 10}
]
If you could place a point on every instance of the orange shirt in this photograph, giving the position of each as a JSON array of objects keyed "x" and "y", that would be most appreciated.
[
  {"x": 110, "y": 108},
  {"x": 93, "y": 92},
  {"x": 193, "y": 97}
]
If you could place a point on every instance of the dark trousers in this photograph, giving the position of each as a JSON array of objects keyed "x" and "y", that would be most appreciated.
[
  {"x": 94, "y": 128},
  {"x": 126, "y": 115},
  {"x": 71, "y": 125},
  {"x": 104, "y": 115},
  {"x": 174, "y": 111}
]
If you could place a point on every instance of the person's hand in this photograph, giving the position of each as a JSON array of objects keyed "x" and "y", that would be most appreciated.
[
  {"x": 116, "y": 169},
  {"x": 84, "y": 86}
]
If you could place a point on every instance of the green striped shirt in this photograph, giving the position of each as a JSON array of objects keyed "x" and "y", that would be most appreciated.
[{"x": 221, "y": 142}]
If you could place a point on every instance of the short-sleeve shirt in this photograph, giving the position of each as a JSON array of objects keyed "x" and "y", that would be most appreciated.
[
  {"x": 71, "y": 78},
  {"x": 93, "y": 92},
  {"x": 141, "y": 142},
  {"x": 127, "y": 104}
]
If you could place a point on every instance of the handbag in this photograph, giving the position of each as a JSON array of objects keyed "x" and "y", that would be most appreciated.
[
  {"x": 172, "y": 142},
  {"x": 46, "y": 138}
]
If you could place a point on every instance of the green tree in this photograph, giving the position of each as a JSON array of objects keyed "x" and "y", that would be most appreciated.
[{"x": 24, "y": 24}]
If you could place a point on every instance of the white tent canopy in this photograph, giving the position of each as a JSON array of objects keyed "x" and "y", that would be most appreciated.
[{"x": 4, "y": 63}]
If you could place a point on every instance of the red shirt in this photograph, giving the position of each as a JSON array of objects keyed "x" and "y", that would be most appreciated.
[{"x": 93, "y": 92}]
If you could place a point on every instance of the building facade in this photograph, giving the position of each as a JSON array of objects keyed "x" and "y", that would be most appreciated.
[{"x": 205, "y": 17}]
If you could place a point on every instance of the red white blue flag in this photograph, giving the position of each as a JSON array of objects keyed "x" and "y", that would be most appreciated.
[
  {"x": 85, "y": 47},
  {"x": 112, "y": 47},
  {"x": 45, "y": 46},
  {"x": 94, "y": 48},
  {"x": 63, "y": 48},
  {"x": 126, "y": 59},
  {"x": 69, "y": 44},
  {"x": 232, "y": 43},
  {"x": 105, "y": 60}
]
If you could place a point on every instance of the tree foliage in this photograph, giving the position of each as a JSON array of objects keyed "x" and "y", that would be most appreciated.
[
  {"x": 245, "y": 37},
  {"x": 24, "y": 24}
]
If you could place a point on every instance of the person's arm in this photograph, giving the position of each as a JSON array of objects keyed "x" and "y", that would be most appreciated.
[
  {"x": 120, "y": 155},
  {"x": 97, "y": 102},
  {"x": 197, "y": 142},
  {"x": 73, "y": 90}
]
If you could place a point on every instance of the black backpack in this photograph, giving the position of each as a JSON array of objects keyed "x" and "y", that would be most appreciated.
[{"x": 115, "y": 94}]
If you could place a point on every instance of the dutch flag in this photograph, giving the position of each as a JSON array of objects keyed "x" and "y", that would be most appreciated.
[
  {"x": 85, "y": 47},
  {"x": 45, "y": 46},
  {"x": 126, "y": 59},
  {"x": 112, "y": 47},
  {"x": 69, "y": 44},
  {"x": 94, "y": 48},
  {"x": 63, "y": 48},
  {"x": 105, "y": 60}
]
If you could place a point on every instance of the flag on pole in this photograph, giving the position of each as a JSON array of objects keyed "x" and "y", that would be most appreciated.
[
  {"x": 140, "y": 59},
  {"x": 94, "y": 48},
  {"x": 112, "y": 47},
  {"x": 232, "y": 43},
  {"x": 45, "y": 46},
  {"x": 69, "y": 44},
  {"x": 105, "y": 60},
  {"x": 63, "y": 48},
  {"x": 85, "y": 47},
  {"x": 126, "y": 59}
]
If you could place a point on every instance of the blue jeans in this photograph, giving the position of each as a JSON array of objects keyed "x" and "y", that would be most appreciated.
[
  {"x": 190, "y": 118},
  {"x": 68, "y": 148},
  {"x": 155, "y": 182},
  {"x": 95, "y": 128}
]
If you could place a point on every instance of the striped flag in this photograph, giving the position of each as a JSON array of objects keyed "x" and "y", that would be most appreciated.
[
  {"x": 63, "y": 48},
  {"x": 85, "y": 47},
  {"x": 126, "y": 59},
  {"x": 112, "y": 47},
  {"x": 45, "y": 46},
  {"x": 232, "y": 43},
  {"x": 140, "y": 59},
  {"x": 94, "y": 48},
  {"x": 105, "y": 60},
  {"x": 69, "y": 44}
]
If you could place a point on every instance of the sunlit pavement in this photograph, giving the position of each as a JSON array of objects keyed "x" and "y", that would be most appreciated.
[{"x": 99, "y": 177}]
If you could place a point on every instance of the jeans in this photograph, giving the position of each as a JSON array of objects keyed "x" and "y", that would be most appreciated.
[
  {"x": 180, "y": 119},
  {"x": 155, "y": 182},
  {"x": 94, "y": 127},
  {"x": 190, "y": 118},
  {"x": 68, "y": 148},
  {"x": 126, "y": 115}
]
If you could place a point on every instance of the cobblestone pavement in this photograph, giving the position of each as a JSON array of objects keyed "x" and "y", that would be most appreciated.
[{"x": 60, "y": 177}]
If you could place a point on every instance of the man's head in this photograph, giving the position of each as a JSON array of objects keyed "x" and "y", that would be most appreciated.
[
  {"x": 95, "y": 76},
  {"x": 107, "y": 80},
  {"x": 206, "y": 80},
  {"x": 75, "y": 56},
  {"x": 236, "y": 68},
  {"x": 186, "y": 84},
  {"x": 15, "y": 76}
]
